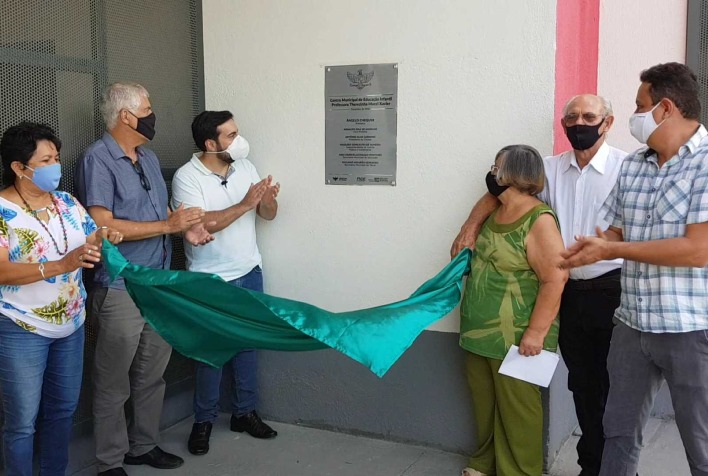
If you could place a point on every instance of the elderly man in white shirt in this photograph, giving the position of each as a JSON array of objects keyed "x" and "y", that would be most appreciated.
[{"x": 577, "y": 183}]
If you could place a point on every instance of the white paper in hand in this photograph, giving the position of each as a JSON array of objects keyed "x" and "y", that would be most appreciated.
[{"x": 538, "y": 369}]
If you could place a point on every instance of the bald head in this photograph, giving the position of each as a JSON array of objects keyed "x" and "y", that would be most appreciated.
[{"x": 599, "y": 104}]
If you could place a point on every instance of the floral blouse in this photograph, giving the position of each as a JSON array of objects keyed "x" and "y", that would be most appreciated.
[{"x": 54, "y": 307}]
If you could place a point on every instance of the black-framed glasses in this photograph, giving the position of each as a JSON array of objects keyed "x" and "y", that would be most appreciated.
[{"x": 143, "y": 178}]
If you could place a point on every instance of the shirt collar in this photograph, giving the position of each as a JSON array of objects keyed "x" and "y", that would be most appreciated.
[
  {"x": 114, "y": 149},
  {"x": 199, "y": 165},
  {"x": 689, "y": 147},
  {"x": 598, "y": 161},
  {"x": 695, "y": 140}
]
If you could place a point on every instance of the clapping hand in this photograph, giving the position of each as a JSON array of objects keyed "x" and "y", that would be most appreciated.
[
  {"x": 255, "y": 194},
  {"x": 586, "y": 250},
  {"x": 271, "y": 192},
  {"x": 182, "y": 219},
  {"x": 198, "y": 235}
]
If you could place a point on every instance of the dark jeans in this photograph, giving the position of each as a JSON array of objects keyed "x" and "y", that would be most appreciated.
[
  {"x": 244, "y": 394},
  {"x": 586, "y": 312}
]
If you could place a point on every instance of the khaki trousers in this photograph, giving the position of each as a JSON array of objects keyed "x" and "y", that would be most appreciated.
[{"x": 129, "y": 362}]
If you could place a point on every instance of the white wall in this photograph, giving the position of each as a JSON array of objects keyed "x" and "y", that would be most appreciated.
[
  {"x": 634, "y": 36},
  {"x": 473, "y": 77}
]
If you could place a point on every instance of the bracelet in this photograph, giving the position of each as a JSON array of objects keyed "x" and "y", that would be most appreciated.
[{"x": 41, "y": 271}]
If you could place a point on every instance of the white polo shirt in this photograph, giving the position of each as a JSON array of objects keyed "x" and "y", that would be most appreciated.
[
  {"x": 234, "y": 252},
  {"x": 576, "y": 196}
]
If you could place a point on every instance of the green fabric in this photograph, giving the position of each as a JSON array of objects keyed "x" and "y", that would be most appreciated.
[
  {"x": 501, "y": 291},
  {"x": 509, "y": 420},
  {"x": 208, "y": 320}
]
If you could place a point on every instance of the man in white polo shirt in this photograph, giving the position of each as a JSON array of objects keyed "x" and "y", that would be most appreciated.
[
  {"x": 227, "y": 186},
  {"x": 577, "y": 183}
]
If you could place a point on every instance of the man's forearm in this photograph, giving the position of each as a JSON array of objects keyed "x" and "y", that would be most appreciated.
[
  {"x": 225, "y": 217},
  {"x": 481, "y": 211},
  {"x": 136, "y": 230},
  {"x": 470, "y": 229},
  {"x": 681, "y": 252}
]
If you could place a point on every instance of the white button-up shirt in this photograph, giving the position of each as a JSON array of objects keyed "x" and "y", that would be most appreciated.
[{"x": 577, "y": 195}]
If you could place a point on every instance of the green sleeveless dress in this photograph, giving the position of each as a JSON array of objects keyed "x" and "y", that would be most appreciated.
[{"x": 502, "y": 288}]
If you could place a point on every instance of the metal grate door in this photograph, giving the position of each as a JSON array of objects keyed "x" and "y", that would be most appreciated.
[{"x": 57, "y": 56}]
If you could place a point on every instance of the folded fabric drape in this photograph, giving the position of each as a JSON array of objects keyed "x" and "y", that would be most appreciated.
[{"x": 205, "y": 318}]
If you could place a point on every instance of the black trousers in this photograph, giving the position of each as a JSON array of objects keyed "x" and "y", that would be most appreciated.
[{"x": 586, "y": 312}]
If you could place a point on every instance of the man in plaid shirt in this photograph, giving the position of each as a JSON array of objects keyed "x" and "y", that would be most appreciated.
[{"x": 658, "y": 215}]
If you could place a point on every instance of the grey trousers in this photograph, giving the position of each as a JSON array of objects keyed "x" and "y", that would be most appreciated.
[
  {"x": 637, "y": 363},
  {"x": 130, "y": 361}
]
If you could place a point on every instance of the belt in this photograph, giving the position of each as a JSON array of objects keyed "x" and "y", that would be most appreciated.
[{"x": 608, "y": 280}]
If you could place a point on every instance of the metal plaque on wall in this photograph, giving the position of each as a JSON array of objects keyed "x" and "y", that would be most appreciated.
[{"x": 361, "y": 103}]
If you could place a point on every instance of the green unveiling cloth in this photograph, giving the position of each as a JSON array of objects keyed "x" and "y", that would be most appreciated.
[{"x": 205, "y": 318}]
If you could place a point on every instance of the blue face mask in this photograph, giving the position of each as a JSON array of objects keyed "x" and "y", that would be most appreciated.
[{"x": 47, "y": 177}]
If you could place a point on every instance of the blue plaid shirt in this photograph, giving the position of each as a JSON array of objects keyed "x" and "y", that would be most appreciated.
[{"x": 652, "y": 203}]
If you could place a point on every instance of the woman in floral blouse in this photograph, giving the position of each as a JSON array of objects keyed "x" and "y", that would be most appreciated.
[{"x": 46, "y": 238}]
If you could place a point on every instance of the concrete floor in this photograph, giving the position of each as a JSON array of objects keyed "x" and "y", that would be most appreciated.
[
  {"x": 300, "y": 451},
  {"x": 662, "y": 455}
]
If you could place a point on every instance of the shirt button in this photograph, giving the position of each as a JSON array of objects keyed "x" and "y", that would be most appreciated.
[
  {"x": 639, "y": 273},
  {"x": 640, "y": 299},
  {"x": 648, "y": 216},
  {"x": 653, "y": 189}
]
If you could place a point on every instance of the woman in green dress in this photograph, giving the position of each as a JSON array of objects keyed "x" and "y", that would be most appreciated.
[{"x": 512, "y": 297}]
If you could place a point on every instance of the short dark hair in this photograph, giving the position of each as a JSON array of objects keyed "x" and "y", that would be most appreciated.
[
  {"x": 19, "y": 143},
  {"x": 521, "y": 167},
  {"x": 205, "y": 124},
  {"x": 677, "y": 82}
]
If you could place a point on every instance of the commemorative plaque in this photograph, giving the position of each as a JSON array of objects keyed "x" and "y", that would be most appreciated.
[{"x": 361, "y": 104}]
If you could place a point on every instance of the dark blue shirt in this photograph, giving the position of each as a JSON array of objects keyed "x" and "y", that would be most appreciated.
[{"x": 106, "y": 177}]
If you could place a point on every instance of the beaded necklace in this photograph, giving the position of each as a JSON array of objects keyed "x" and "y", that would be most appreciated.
[{"x": 61, "y": 221}]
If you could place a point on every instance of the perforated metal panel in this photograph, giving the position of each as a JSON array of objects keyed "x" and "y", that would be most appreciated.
[
  {"x": 697, "y": 49},
  {"x": 57, "y": 56}
]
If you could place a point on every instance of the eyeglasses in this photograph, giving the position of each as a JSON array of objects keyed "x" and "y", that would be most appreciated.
[
  {"x": 143, "y": 178},
  {"x": 494, "y": 169},
  {"x": 588, "y": 118}
]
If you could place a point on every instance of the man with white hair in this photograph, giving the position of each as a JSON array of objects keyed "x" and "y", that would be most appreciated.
[
  {"x": 121, "y": 185},
  {"x": 577, "y": 183}
]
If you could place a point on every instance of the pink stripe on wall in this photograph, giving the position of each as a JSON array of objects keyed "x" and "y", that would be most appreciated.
[{"x": 577, "y": 41}]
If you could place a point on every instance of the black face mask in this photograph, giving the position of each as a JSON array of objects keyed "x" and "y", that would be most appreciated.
[
  {"x": 146, "y": 125},
  {"x": 583, "y": 137},
  {"x": 494, "y": 187}
]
